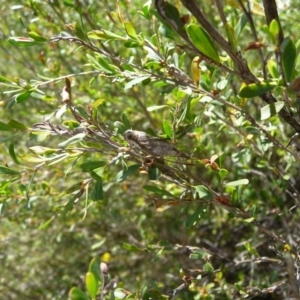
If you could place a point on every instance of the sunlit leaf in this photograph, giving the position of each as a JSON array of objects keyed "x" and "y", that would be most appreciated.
[
  {"x": 22, "y": 41},
  {"x": 256, "y": 89},
  {"x": 195, "y": 70},
  {"x": 130, "y": 30},
  {"x": 203, "y": 192},
  {"x": 208, "y": 267},
  {"x": 74, "y": 139},
  {"x": 104, "y": 35},
  {"x": 38, "y": 38},
  {"x": 237, "y": 182},
  {"x": 120, "y": 293},
  {"x": 231, "y": 35},
  {"x": 271, "y": 109},
  {"x": 274, "y": 29},
  {"x": 135, "y": 81},
  {"x": 202, "y": 41},
  {"x": 91, "y": 284},
  {"x": 272, "y": 68},
  {"x": 156, "y": 107}
]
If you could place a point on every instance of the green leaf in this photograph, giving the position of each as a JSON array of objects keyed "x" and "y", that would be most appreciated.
[
  {"x": 46, "y": 224},
  {"x": 5, "y": 127},
  {"x": 256, "y": 89},
  {"x": 271, "y": 109},
  {"x": 91, "y": 165},
  {"x": 17, "y": 125},
  {"x": 272, "y": 68},
  {"x": 231, "y": 36},
  {"x": 94, "y": 267},
  {"x": 4, "y": 79},
  {"x": 130, "y": 30},
  {"x": 97, "y": 193},
  {"x": 124, "y": 174},
  {"x": 155, "y": 107},
  {"x": 274, "y": 29},
  {"x": 38, "y": 38},
  {"x": 22, "y": 41},
  {"x": 167, "y": 129},
  {"x": 251, "y": 249},
  {"x": 119, "y": 294},
  {"x": 104, "y": 35},
  {"x": 79, "y": 32},
  {"x": 237, "y": 182},
  {"x": 74, "y": 139},
  {"x": 41, "y": 150},
  {"x": 135, "y": 81},
  {"x": 8, "y": 171},
  {"x": 131, "y": 44},
  {"x": 131, "y": 248},
  {"x": 77, "y": 294},
  {"x": 153, "y": 173},
  {"x": 202, "y": 42},
  {"x": 240, "y": 25},
  {"x": 12, "y": 153},
  {"x": 91, "y": 284},
  {"x": 223, "y": 173},
  {"x": 3, "y": 140},
  {"x": 249, "y": 220},
  {"x": 23, "y": 96},
  {"x": 208, "y": 267},
  {"x": 98, "y": 171},
  {"x": 194, "y": 218},
  {"x": 126, "y": 121},
  {"x": 203, "y": 192},
  {"x": 105, "y": 65},
  {"x": 288, "y": 50},
  {"x": 101, "y": 64},
  {"x": 157, "y": 190}
]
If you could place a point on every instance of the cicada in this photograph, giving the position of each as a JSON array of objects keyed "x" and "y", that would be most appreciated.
[{"x": 154, "y": 146}]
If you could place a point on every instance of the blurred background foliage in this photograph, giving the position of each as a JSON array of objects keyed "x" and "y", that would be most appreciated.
[{"x": 53, "y": 225}]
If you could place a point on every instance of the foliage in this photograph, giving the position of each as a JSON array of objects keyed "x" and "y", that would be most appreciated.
[{"x": 86, "y": 215}]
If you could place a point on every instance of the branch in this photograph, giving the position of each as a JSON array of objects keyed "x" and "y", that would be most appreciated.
[{"x": 241, "y": 65}]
